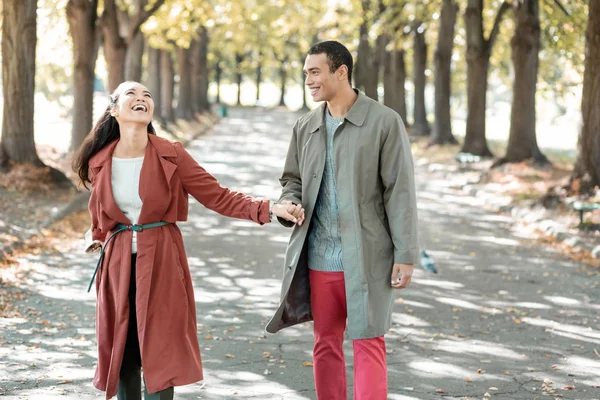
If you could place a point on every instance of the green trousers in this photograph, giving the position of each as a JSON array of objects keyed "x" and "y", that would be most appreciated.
[{"x": 130, "y": 377}]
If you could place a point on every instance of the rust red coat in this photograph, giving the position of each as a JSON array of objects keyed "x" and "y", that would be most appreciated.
[{"x": 165, "y": 305}]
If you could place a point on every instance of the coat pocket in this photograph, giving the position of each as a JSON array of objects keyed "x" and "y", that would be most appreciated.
[
  {"x": 378, "y": 248},
  {"x": 179, "y": 266}
]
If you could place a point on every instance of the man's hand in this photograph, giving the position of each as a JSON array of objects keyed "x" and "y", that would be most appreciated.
[
  {"x": 401, "y": 274},
  {"x": 289, "y": 211}
]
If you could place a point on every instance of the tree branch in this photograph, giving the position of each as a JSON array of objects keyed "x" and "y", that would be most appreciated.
[
  {"x": 506, "y": 5},
  {"x": 141, "y": 17},
  {"x": 560, "y": 5}
]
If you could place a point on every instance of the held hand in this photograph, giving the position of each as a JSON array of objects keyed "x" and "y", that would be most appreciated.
[
  {"x": 94, "y": 247},
  {"x": 401, "y": 275},
  {"x": 289, "y": 211}
]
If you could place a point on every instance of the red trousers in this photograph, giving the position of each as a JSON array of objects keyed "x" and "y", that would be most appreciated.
[{"x": 328, "y": 305}]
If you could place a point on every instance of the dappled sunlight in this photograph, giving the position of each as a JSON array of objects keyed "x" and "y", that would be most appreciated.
[
  {"x": 409, "y": 320},
  {"x": 440, "y": 284},
  {"x": 467, "y": 305},
  {"x": 579, "y": 332},
  {"x": 478, "y": 348},
  {"x": 524, "y": 304},
  {"x": 563, "y": 301},
  {"x": 433, "y": 369}
]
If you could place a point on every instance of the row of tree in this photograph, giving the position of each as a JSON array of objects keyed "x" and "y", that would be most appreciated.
[{"x": 185, "y": 44}]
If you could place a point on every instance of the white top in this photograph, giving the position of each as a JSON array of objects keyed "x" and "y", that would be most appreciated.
[{"x": 126, "y": 186}]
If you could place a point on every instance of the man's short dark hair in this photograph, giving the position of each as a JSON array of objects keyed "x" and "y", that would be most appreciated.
[{"x": 337, "y": 55}]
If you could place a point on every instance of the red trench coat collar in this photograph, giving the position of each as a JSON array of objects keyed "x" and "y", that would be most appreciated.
[{"x": 154, "y": 188}]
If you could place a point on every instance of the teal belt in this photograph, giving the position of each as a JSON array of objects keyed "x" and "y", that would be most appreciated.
[{"x": 122, "y": 227}]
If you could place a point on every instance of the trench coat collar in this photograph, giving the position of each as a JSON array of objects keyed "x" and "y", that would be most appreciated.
[
  {"x": 154, "y": 186},
  {"x": 356, "y": 115},
  {"x": 163, "y": 147}
]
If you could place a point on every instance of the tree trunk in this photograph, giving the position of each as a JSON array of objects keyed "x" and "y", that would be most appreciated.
[
  {"x": 115, "y": 46},
  {"x": 442, "y": 129},
  {"x": 258, "y": 80},
  {"x": 283, "y": 81},
  {"x": 239, "y": 77},
  {"x": 394, "y": 77},
  {"x": 184, "y": 101},
  {"x": 478, "y": 59},
  {"x": 203, "y": 65},
  {"x": 82, "y": 16},
  {"x": 133, "y": 58},
  {"x": 154, "y": 84},
  {"x": 522, "y": 143},
  {"x": 587, "y": 165},
  {"x": 420, "y": 125},
  {"x": 304, "y": 94},
  {"x": 399, "y": 66},
  {"x": 218, "y": 73},
  {"x": 361, "y": 68},
  {"x": 18, "y": 82},
  {"x": 196, "y": 75},
  {"x": 373, "y": 64},
  {"x": 167, "y": 81}
]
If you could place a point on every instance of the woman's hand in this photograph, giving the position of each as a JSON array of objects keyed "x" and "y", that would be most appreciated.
[
  {"x": 94, "y": 247},
  {"x": 289, "y": 211}
]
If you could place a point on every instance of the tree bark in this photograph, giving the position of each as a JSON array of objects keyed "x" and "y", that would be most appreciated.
[
  {"x": 82, "y": 16},
  {"x": 478, "y": 59},
  {"x": 525, "y": 43},
  {"x": 283, "y": 81},
  {"x": 420, "y": 125},
  {"x": 184, "y": 101},
  {"x": 167, "y": 81},
  {"x": 218, "y": 73},
  {"x": 361, "y": 68},
  {"x": 133, "y": 58},
  {"x": 115, "y": 46},
  {"x": 196, "y": 75},
  {"x": 18, "y": 82},
  {"x": 239, "y": 77},
  {"x": 304, "y": 94},
  {"x": 203, "y": 75},
  {"x": 154, "y": 75},
  {"x": 587, "y": 164},
  {"x": 259, "y": 66},
  {"x": 442, "y": 128}
]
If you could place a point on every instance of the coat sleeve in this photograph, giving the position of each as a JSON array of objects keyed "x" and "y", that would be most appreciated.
[
  {"x": 93, "y": 208},
  {"x": 397, "y": 175},
  {"x": 207, "y": 190},
  {"x": 291, "y": 181}
]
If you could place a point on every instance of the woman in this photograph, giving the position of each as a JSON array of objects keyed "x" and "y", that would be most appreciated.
[{"x": 145, "y": 306}]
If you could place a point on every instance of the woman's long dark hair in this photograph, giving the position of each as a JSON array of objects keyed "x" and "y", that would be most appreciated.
[{"x": 104, "y": 132}]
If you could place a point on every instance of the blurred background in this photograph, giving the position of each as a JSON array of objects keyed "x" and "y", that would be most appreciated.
[{"x": 510, "y": 84}]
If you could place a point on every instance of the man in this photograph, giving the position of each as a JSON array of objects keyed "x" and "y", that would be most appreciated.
[{"x": 349, "y": 164}]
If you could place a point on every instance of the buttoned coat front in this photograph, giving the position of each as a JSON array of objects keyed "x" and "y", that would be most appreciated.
[
  {"x": 377, "y": 212},
  {"x": 165, "y": 305}
]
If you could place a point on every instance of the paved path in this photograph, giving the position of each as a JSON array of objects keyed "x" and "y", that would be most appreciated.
[{"x": 502, "y": 315}]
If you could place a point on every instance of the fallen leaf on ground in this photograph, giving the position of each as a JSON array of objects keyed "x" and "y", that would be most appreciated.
[
  {"x": 307, "y": 364},
  {"x": 229, "y": 356}
]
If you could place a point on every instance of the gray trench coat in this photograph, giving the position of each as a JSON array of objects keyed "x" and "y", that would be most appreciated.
[{"x": 377, "y": 212}]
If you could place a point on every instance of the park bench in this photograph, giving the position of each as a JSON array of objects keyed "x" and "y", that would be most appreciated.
[{"x": 582, "y": 206}]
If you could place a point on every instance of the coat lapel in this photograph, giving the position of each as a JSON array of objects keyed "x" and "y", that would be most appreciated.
[
  {"x": 101, "y": 166},
  {"x": 155, "y": 179}
]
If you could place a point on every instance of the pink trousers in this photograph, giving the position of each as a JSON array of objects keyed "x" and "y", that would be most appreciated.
[{"x": 328, "y": 305}]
